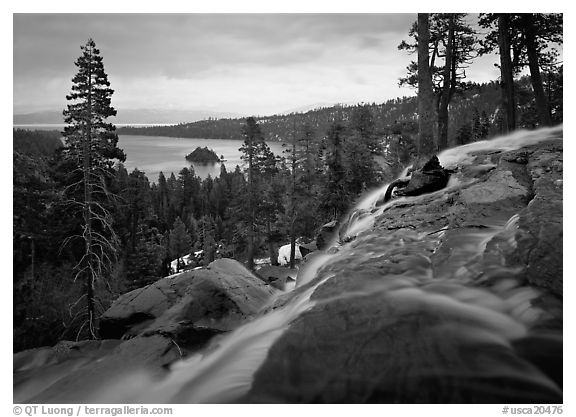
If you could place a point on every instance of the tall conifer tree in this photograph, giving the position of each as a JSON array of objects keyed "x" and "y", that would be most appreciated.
[
  {"x": 91, "y": 147},
  {"x": 260, "y": 166}
]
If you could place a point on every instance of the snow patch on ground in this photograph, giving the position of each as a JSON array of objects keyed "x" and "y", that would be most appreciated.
[{"x": 284, "y": 254}]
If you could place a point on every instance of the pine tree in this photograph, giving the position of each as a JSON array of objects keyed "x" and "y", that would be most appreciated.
[
  {"x": 360, "y": 144},
  {"x": 207, "y": 238},
  {"x": 527, "y": 39},
  {"x": 180, "y": 242},
  {"x": 293, "y": 160},
  {"x": 144, "y": 265},
  {"x": 452, "y": 44},
  {"x": 91, "y": 146},
  {"x": 334, "y": 199},
  {"x": 261, "y": 164}
]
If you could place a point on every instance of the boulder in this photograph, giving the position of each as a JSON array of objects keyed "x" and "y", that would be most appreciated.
[
  {"x": 326, "y": 234},
  {"x": 540, "y": 230},
  {"x": 190, "y": 307},
  {"x": 277, "y": 276},
  {"x": 164, "y": 321},
  {"x": 307, "y": 248},
  {"x": 431, "y": 177},
  {"x": 394, "y": 186}
]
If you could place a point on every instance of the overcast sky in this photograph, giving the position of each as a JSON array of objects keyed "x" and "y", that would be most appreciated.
[{"x": 255, "y": 64}]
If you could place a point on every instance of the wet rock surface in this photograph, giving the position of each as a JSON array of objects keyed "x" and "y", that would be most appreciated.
[
  {"x": 326, "y": 234},
  {"x": 277, "y": 276},
  {"x": 370, "y": 349},
  {"x": 451, "y": 297},
  {"x": 540, "y": 231},
  {"x": 83, "y": 378}
]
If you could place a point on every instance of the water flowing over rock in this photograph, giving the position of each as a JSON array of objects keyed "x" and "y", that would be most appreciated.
[{"x": 449, "y": 297}]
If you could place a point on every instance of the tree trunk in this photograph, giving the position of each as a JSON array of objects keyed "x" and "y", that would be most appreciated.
[
  {"x": 426, "y": 144},
  {"x": 252, "y": 217},
  {"x": 33, "y": 257},
  {"x": 88, "y": 212},
  {"x": 507, "y": 78},
  {"x": 271, "y": 250},
  {"x": 293, "y": 204},
  {"x": 536, "y": 78},
  {"x": 446, "y": 85},
  {"x": 292, "y": 244}
]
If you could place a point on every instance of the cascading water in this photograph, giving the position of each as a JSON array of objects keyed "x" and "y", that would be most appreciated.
[
  {"x": 470, "y": 287},
  {"x": 363, "y": 215}
]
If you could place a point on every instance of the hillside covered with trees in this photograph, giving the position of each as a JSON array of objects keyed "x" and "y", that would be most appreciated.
[{"x": 475, "y": 112}]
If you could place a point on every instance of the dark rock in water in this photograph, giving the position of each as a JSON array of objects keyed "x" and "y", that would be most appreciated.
[
  {"x": 203, "y": 302},
  {"x": 431, "y": 177},
  {"x": 277, "y": 276},
  {"x": 400, "y": 183},
  {"x": 326, "y": 234},
  {"x": 203, "y": 155},
  {"x": 306, "y": 248}
]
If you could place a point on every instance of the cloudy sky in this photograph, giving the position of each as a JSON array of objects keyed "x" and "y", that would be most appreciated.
[{"x": 246, "y": 63}]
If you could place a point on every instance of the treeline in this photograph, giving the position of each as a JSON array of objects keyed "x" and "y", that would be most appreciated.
[{"x": 38, "y": 143}]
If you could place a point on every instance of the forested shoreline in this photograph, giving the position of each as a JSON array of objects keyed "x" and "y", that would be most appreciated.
[{"x": 475, "y": 113}]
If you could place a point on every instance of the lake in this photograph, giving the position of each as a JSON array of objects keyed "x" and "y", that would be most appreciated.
[{"x": 153, "y": 154}]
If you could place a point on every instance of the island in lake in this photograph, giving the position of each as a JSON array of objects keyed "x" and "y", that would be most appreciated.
[{"x": 204, "y": 156}]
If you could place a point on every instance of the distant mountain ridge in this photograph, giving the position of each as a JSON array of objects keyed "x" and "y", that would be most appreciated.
[
  {"x": 474, "y": 114},
  {"x": 310, "y": 107},
  {"x": 130, "y": 116}
]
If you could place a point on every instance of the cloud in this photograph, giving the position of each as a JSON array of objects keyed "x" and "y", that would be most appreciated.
[
  {"x": 249, "y": 63},
  {"x": 181, "y": 45}
]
